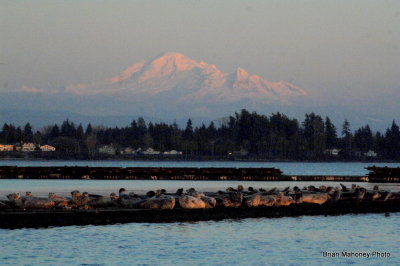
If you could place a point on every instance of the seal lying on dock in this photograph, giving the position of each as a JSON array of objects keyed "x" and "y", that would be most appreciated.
[
  {"x": 210, "y": 202},
  {"x": 258, "y": 199},
  {"x": 230, "y": 200},
  {"x": 316, "y": 198},
  {"x": 190, "y": 202},
  {"x": 164, "y": 202},
  {"x": 283, "y": 200}
]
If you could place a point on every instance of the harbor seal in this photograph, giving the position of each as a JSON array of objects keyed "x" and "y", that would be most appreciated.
[
  {"x": 190, "y": 202},
  {"x": 164, "y": 202},
  {"x": 79, "y": 200},
  {"x": 282, "y": 200},
  {"x": 230, "y": 200},
  {"x": 126, "y": 201},
  {"x": 103, "y": 201},
  {"x": 315, "y": 198},
  {"x": 210, "y": 202},
  {"x": 16, "y": 200},
  {"x": 258, "y": 200}
]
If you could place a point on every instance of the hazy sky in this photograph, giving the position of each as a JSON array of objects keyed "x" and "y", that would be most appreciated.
[{"x": 333, "y": 49}]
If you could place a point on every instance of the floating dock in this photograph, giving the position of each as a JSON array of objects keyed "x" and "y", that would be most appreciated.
[{"x": 13, "y": 219}]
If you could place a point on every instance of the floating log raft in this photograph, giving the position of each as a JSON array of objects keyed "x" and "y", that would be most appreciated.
[
  {"x": 383, "y": 174},
  {"x": 13, "y": 219}
]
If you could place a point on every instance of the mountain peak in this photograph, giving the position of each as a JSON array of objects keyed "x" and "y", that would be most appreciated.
[{"x": 186, "y": 80}]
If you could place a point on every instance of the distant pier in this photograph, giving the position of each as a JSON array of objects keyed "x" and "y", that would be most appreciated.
[{"x": 377, "y": 174}]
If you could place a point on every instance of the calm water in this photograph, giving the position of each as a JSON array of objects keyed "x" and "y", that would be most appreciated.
[{"x": 260, "y": 241}]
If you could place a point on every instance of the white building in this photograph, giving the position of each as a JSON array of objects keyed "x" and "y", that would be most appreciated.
[
  {"x": 28, "y": 147},
  {"x": 47, "y": 148}
]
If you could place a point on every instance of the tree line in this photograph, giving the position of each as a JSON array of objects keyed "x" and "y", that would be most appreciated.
[{"x": 254, "y": 135}]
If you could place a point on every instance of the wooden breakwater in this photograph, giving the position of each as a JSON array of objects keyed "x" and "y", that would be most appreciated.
[
  {"x": 384, "y": 174},
  {"x": 140, "y": 173},
  {"x": 43, "y": 218},
  {"x": 377, "y": 174}
]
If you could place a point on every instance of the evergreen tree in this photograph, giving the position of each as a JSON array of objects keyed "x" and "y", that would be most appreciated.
[
  {"x": 346, "y": 140},
  {"x": 55, "y": 132},
  {"x": 330, "y": 134},
  {"x": 363, "y": 139},
  {"x": 27, "y": 133},
  {"x": 392, "y": 142},
  {"x": 314, "y": 133},
  {"x": 188, "y": 134},
  {"x": 89, "y": 130},
  {"x": 79, "y": 132}
]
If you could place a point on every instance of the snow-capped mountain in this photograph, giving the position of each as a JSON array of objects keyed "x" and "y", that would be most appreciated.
[
  {"x": 182, "y": 79},
  {"x": 169, "y": 86}
]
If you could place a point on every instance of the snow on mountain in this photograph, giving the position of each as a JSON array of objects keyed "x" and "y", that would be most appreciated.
[{"x": 185, "y": 79}]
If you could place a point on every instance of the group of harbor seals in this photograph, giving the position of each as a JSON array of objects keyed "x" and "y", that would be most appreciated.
[
  {"x": 192, "y": 199},
  {"x": 30, "y": 202}
]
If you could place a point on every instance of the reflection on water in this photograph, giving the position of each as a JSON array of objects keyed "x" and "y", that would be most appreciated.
[{"x": 253, "y": 241}]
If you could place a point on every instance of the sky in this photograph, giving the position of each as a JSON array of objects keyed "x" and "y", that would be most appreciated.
[{"x": 344, "y": 51}]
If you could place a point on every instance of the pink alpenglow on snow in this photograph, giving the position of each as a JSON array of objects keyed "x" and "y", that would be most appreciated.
[{"x": 190, "y": 80}]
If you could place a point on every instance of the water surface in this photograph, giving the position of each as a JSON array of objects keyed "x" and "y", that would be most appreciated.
[{"x": 261, "y": 241}]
